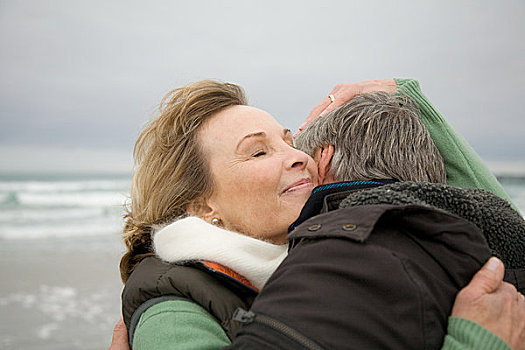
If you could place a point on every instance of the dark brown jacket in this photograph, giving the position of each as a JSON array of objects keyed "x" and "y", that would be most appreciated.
[{"x": 367, "y": 277}]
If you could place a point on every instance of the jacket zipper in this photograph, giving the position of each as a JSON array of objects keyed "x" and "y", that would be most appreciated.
[{"x": 247, "y": 317}]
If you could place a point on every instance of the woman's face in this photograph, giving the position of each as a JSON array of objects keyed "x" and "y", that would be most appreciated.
[{"x": 261, "y": 181}]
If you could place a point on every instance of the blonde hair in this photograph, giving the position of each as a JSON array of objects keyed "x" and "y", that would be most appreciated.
[{"x": 171, "y": 170}]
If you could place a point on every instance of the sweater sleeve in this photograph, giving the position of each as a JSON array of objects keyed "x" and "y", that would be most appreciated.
[
  {"x": 463, "y": 165},
  {"x": 178, "y": 324},
  {"x": 467, "y": 335}
]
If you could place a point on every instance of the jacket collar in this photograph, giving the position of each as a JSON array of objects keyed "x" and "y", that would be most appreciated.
[{"x": 327, "y": 197}]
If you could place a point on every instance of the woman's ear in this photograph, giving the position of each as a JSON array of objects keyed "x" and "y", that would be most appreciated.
[
  {"x": 324, "y": 156},
  {"x": 203, "y": 209}
]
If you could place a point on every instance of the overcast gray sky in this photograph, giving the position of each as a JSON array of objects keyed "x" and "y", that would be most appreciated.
[{"x": 80, "y": 78}]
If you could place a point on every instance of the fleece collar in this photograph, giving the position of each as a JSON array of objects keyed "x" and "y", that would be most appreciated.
[
  {"x": 502, "y": 226},
  {"x": 193, "y": 239}
]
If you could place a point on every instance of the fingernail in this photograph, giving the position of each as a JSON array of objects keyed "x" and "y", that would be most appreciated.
[
  {"x": 492, "y": 264},
  {"x": 323, "y": 113}
]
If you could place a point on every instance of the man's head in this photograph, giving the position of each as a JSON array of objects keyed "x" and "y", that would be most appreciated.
[{"x": 374, "y": 136}]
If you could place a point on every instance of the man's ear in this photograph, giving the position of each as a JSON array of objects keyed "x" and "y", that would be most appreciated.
[
  {"x": 204, "y": 209},
  {"x": 325, "y": 155}
]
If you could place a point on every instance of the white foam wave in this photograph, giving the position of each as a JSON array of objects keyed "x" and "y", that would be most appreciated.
[
  {"x": 61, "y": 304},
  {"x": 81, "y": 199},
  {"x": 110, "y": 226},
  {"x": 63, "y": 186},
  {"x": 39, "y": 215}
]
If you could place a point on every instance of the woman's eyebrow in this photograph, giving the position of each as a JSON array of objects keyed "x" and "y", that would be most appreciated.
[
  {"x": 286, "y": 133},
  {"x": 254, "y": 134}
]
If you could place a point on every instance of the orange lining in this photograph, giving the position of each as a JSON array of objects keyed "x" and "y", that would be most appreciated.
[{"x": 229, "y": 272}]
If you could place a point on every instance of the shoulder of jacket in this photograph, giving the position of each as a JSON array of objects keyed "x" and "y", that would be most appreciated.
[{"x": 358, "y": 222}]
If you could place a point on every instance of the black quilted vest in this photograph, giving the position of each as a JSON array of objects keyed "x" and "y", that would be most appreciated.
[{"x": 155, "y": 281}]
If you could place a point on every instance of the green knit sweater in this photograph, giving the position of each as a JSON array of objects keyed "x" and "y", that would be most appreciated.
[
  {"x": 464, "y": 167},
  {"x": 185, "y": 325}
]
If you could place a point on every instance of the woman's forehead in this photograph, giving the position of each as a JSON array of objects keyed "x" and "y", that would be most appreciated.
[{"x": 239, "y": 121}]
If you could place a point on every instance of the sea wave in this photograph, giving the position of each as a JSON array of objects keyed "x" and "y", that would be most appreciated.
[
  {"x": 51, "y": 215},
  {"x": 67, "y": 199},
  {"x": 66, "y": 230},
  {"x": 8, "y": 198},
  {"x": 34, "y": 208},
  {"x": 64, "y": 207},
  {"x": 63, "y": 186}
]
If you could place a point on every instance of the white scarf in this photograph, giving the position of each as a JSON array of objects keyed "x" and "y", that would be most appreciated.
[{"x": 192, "y": 238}]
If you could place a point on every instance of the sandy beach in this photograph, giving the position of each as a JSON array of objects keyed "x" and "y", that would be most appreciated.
[{"x": 59, "y": 293}]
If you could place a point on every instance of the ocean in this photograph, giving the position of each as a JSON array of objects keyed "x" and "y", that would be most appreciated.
[
  {"x": 59, "y": 253},
  {"x": 37, "y": 207}
]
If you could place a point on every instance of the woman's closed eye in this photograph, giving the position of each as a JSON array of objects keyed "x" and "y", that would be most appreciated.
[{"x": 259, "y": 153}]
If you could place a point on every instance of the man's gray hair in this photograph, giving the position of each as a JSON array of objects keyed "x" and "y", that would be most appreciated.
[{"x": 376, "y": 136}]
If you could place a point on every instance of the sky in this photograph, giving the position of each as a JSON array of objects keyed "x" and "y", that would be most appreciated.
[{"x": 79, "y": 79}]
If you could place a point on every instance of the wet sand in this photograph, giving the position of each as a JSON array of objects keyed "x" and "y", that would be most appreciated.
[{"x": 59, "y": 293}]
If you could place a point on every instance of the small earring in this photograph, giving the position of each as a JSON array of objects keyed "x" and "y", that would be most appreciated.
[{"x": 215, "y": 221}]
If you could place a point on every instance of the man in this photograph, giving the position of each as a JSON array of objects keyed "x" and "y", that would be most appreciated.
[
  {"x": 380, "y": 136},
  {"x": 375, "y": 261}
]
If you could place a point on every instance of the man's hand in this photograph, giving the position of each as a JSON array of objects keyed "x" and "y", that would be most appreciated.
[
  {"x": 120, "y": 337},
  {"x": 342, "y": 93},
  {"x": 493, "y": 304}
]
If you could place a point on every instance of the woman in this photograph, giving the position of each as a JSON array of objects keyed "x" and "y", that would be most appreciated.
[{"x": 209, "y": 155}]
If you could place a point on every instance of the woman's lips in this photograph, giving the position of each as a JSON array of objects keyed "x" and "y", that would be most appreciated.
[{"x": 305, "y": 183}]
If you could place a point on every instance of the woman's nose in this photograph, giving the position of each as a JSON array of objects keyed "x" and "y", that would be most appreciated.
[{"x": 297, "y": 160}]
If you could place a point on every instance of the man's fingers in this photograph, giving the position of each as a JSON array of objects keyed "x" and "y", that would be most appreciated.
[
  {"x": 317, "y": 110},
  {"x": 331, "y": 107},
  {"x": 489, "y": 278},
  {"x": 343, "y": 93}
]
